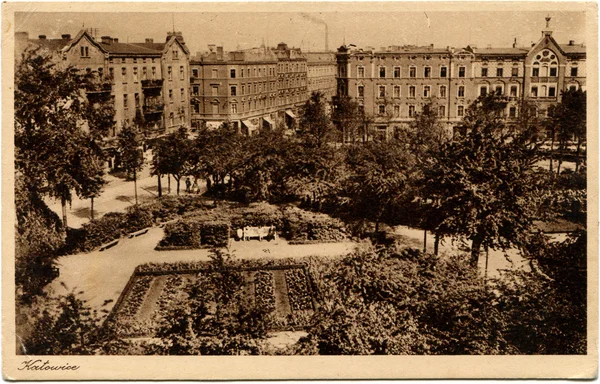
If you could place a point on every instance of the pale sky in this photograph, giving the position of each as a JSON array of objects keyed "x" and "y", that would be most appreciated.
[{"x": 246, "y": 29}]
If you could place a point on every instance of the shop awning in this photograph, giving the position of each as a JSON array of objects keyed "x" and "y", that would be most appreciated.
[
  {"x": 213, "y": 124},
  {"x": 251, "y": 127},
  {"x": 269, "y": 122},
  {"x": 290, "y": 113}
]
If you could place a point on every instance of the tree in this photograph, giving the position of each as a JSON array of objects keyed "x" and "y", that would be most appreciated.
[
  {"x": 350, "y": 119},
  {"x": 132, "y": 157},
  {"x": 56, "y": 137},
  {"x": 173, "y": 154},
  {"x": 482, "y": 182},
  {"x": 315, "y": 124},
  {"x": 425, "y": 134},
  {"x": 568, "y": 120}
]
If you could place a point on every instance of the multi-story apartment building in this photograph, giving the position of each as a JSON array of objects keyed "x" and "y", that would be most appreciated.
[
  {"x": 291, "y": 83},
  {"x": 321, "y": 71},
  {"x": 148, "y": 82},
  {"x": 394, "y": 83},
  {"x": 240, "y": 87},
  {"x": 253, "y": 89}
]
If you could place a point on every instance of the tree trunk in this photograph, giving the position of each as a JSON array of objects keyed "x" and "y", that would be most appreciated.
[
  {"x": 169, "y": 183},
  {"x": 159, "y": 186},
  {"x": 208, "y": 184},
  {"x": 178, "y": 180},
  {"x": 92, "y": 209},
  {"x": 425, "y": 241},
  {"x": 436, "y": 244},
  {"x": 135, "y": 185},
  {"x": 475, "y": 250},
  {"x": 578, "y": 152},
  {"x": 63, "y": 203}
]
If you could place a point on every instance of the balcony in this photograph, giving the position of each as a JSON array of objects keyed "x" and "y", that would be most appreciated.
[
  {"x": 99, "y": 87},
  {"x": 149, "y": 84},
  {"x": 153, "y": 108}
]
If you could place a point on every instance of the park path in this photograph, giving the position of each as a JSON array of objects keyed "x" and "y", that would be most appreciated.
[{"x": 102, "y": 275}]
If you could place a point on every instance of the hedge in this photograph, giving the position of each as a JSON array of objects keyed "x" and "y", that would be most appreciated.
[
  {"x": 302, "y": 226},
  {"x": 189, "y": 233},
  {"x": 109, "y": 227}
]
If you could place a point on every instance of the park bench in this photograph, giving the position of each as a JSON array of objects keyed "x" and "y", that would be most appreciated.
[
  {"x": 138, "y": 233},
  {"x": 109, "y": 245},
  {"x": 258, "y": 232}
]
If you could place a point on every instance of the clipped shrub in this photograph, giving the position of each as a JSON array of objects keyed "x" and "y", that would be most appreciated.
[
  {"x": 300, "y": 225},
  {"x": 182, "y": 233},
  {"x": 258, "y": 215},
  {"x": 214, "y": 234}
]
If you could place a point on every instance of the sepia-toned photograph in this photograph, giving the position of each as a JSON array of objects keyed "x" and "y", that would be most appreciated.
[{"x": 299, "y": 180}]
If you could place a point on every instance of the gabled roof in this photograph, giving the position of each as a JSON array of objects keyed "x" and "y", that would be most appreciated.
[
  {"x": 576, "y": 48},
  {"x": 127, "y": 48}
]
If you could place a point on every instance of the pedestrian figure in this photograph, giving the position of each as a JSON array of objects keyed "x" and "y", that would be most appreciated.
[
  {"x": 188, "y": 184},
  {"x": 195, "y": 188}
]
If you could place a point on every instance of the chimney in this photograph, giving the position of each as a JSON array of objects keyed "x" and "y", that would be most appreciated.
[
  {"x": 219, "y": 53},
  {"x": 42, "y": 37},
  {"x": 106, "y": 40},
  {"x": 211, "y": 47},
  {"x": 66, "y": 36},
  {"x": 115, "y": 40},
  {"x": 571, "y": 42},
  {"x": 149, "y": 40},
  {"x": 431, "y": 46},
  {"x": 515, "y": 43}
]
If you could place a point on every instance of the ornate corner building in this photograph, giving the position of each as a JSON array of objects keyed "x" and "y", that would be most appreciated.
[{"x": 393, "y": 83}]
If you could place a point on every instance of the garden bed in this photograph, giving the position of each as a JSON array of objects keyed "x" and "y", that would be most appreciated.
[{"x": 282, "y": 290}]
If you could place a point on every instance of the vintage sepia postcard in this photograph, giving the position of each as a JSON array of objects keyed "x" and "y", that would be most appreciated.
[{"x": 289, "y": 190}]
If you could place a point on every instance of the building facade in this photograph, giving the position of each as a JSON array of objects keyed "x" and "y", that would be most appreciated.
[
  {"x": 394, "y": 83},
  {"x": 321, "y": 72},
  {"x": 147, "y": 82}
]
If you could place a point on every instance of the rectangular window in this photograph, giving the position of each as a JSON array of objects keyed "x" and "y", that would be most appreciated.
[
  {"x": 181, "y": 73},
  {"x": 85, "y": 52},
  {"x": 513, "y": 91},
  {"x": 195, "y": 72},
  {"x": 573, "y": 88},
  {"x": 515, "y": 72},
  {"x": 412, "y": 72},
  {"x": 498, "y": 90},
  {"x": 232, "y": 75},
  {"x": 443, "y": 91},
  {"x": 195, "y": 90},
  {"x": 411, "y": 111},
  {"x": 426, "y": 91},
  {"x": 461, "y": 111},
  {"x": 171, "y": 95},
  {"x": 484, "y": 72},
  {"x": 412, "y": 91},
  {"x": 233, "y": 90},
  {"x": 396, "y": 110},
  {"x": 461, "y": 71},
  {"x": 512, "y": 112},
  {"x": 573, "y": 71},
  {"x": 215, "y": 73},
  {"x": 461, "y": 91},
  {"x": 551, "y": 92},
  {"x": 215, "y": 90},
  {"x": 361, "y": 72},
  {"x": 396, "y": 72},
  {"x": 535, "y": 72},
  {"x": 483, "y": 91},
  {"x": 175, "y": 54},
  {"x": 234, "y": 108},
  {"x": 382, "y": 72},
  {"x": 125, "y": 101},
  {"x": 196, "y": 108},
  {"x": 361, "y": 91},
  {"x": 553, "y": 71},
  {"x": 124, "y": 74},
  {"x": 382, "y": 109},
  {"x": 170, "y": 73},
  {"x": 443, "y": 72},
  {"x": 381, "y": 91},
  {"x": 182, "y": 94},
  {"x": 396, "y": 91},
  {"x": 534, "y": 91},
  {"x": 442, "y": 111},
  {"x": 111, "y": 73},
  {"x": 144, "y": 73},
  {"x": 427, "y": 72},
  {"x": 499, "y": 72},
  {"x": 135, "y": 74},
  {"x": 153, "y": 73}
]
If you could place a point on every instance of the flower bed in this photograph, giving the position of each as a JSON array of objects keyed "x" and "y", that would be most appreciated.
[
  {"x": 298, "y": 293},
  {"x": 130, "y": 307},
  {"x": 264, "y": 296}
]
